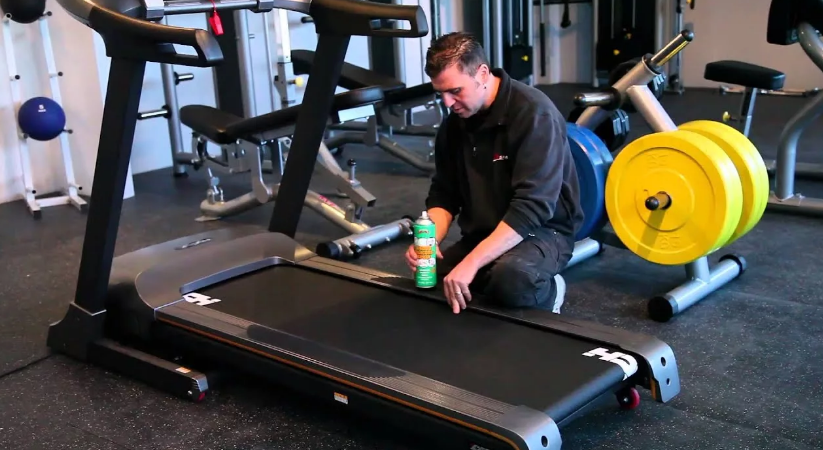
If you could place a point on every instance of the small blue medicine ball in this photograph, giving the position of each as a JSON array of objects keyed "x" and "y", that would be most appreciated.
[{"x": 41, "y": 118}]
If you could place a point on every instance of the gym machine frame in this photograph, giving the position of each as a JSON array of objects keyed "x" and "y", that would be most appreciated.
[
  {"x": 395, "y": 118},
  {"x": 502, "y": 27},
  {"x": 702, "y": 279},
  {"x": 246, "y": 156},
  {"x": 785, "y": 169},
  {"x": 784, "y": 198},
  {"x": 71, "y": 193},
  {"x": 674, "y": 81},
  {"x": 362, "y": 236}
]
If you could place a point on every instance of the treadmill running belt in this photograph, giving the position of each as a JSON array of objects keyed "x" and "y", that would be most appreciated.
[{"x": 513, "y": 363}]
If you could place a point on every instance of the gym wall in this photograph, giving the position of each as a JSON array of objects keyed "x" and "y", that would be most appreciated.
[
  {"x": 76, "y": 56},
  {"x": 729, "y": 29}
]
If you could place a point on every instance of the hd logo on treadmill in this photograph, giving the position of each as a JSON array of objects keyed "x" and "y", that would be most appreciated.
[
  {"x": 200, "y": 299},
  {"x": 626, "y": 362}
]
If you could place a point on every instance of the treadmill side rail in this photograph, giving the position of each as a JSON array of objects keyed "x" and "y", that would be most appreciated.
[
  {"x": 658, "y": 371},
  {"x": 519, "y": 427},
  {"x": 538, "y": 431},
  {"x": 157, "y": 372}
]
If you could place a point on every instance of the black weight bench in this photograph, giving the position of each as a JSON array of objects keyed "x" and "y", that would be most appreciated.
[
  {"x": 224, "y": 128},
  {"x": 243, "y": 142},
  {"x": 751, "y": 77},
  {"x": 394, "y": 114},
  {"x": 425, "y": 90}
]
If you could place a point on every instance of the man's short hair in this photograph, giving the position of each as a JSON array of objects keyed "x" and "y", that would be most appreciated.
[{"x": 459, "y": 48}]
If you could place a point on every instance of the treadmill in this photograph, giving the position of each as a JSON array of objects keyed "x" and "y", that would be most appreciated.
[{"x": 253, "y": 300}]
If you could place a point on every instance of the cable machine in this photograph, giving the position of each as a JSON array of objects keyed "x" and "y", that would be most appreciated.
[
  {"x": 506, "y": 31},
  {"x": 628, "y": 29}
]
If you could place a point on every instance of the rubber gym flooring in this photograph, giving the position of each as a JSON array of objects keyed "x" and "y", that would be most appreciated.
[{"x": 749, "y": 355}]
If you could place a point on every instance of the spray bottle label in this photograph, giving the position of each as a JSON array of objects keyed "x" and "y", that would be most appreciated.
[{"x": 425, "y": 246}]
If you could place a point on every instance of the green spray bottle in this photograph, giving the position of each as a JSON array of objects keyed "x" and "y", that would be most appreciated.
[{"x": 425, "y": 246}]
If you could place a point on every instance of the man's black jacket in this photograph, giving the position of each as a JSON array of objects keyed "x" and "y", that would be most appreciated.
[{"x": 508, "y": 163}]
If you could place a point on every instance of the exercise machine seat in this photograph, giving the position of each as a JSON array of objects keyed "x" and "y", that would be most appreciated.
[
  {"x": 225, "y": 128},
  {"x": 744, "y": 74},
  {"x": 410, "y": 93},
  {"x": 351, "y": 77}
]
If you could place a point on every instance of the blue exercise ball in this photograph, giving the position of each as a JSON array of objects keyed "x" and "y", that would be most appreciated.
[
  {"x": 23, "y": 11},
  {"x": 41, "y": 118}
]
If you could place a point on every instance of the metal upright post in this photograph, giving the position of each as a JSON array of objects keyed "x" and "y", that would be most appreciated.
[
  {"x": 497, "y": 33},
  {"x": 527, "y": 4},
  {"x": 246, "y": 66},
  {"x": 434, "y": 6}
]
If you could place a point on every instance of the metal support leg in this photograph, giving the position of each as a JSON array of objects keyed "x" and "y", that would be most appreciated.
[
  {"x": 784, "y": 198},
  {"x": 372, "y": 136},
  {"x": 747, "y": 109},
  {"x": 702, "y": 282},
  {"x": 215, "y": 208}
]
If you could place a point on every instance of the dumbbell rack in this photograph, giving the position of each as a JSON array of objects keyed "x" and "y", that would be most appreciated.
[
  {"x": 171, "y": 112},
  {"x": 702, "y": 279},
  {"x": 71, "y": 191}
]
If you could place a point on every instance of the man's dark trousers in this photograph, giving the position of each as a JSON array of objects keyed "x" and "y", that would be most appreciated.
[{"x": 523, "y": 277}]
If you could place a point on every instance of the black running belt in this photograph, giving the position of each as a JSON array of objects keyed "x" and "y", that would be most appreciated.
[{"x": 509, "y": 362}]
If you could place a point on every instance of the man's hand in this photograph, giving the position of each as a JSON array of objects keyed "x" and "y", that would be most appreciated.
[
  {"x": 457, "y": 282},
  {"x": 411, "y": 257},
  {"x": 456, "y": 285}
]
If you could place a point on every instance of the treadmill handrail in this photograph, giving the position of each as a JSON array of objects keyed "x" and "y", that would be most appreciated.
[
  {"x": 155, "y": 40},
  {"x": 363, "y": 18}
]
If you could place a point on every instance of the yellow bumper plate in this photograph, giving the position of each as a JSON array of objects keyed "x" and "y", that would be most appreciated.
[
  {"x": 751, "y": 169},
  {"x": 673, "y": 197}
]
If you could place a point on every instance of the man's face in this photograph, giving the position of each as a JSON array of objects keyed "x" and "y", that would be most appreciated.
[{"x": 461, "y": 92}]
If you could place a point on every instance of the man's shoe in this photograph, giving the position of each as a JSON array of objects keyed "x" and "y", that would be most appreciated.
[{"x": 560, "y": 295}]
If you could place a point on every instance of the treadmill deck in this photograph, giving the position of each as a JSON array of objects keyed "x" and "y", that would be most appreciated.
[{"x": 502, "y": 360}]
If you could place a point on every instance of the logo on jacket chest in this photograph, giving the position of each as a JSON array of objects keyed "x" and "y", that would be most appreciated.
[
  {"x": 486, "y": 149},
  {"x": 496, "y": 156}
]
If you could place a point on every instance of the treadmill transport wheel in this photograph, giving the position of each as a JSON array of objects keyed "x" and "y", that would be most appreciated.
[{"x": 628, "y": 398}]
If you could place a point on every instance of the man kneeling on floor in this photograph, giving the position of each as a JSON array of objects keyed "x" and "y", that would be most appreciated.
[{"x": 505, "y": 170}]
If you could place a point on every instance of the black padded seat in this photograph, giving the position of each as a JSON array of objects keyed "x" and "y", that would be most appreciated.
[
  {"x": 210, "y": 122},
  {"x": 225, "y": 128},
  {"x": 351, "y": 77},
  {"x": 410, "y": 93},
  {"x": 744, "y": 74}
]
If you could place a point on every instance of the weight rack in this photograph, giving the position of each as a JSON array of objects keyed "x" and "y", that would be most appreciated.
[{"x": 702, "y": 279}]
